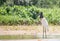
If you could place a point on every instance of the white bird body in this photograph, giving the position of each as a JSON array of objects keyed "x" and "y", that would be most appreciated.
[{"x": 44, "y": 22}]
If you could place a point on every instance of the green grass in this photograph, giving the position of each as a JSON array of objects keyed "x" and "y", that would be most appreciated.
[
  {"x": 17, "y": 37},
  {"x": 9, "y": 37}
]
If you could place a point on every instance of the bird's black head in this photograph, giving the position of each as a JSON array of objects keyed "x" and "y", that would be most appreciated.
[{"x": 41, "y": 15}]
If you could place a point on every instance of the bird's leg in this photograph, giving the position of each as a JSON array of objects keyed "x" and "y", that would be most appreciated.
[{"x": 43, "y": 32}]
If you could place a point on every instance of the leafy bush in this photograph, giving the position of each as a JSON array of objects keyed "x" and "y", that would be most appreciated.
[{"x": 27, "y": 15}]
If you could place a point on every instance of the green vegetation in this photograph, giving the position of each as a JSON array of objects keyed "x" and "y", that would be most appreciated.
[
  {"x": 13, "y": 12},
  {"x": 17, "y": 37},
  {"x": 17, "y": 15},
  {"x": 11, "y": 37},
  {"x": 27, "y": 15}
]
